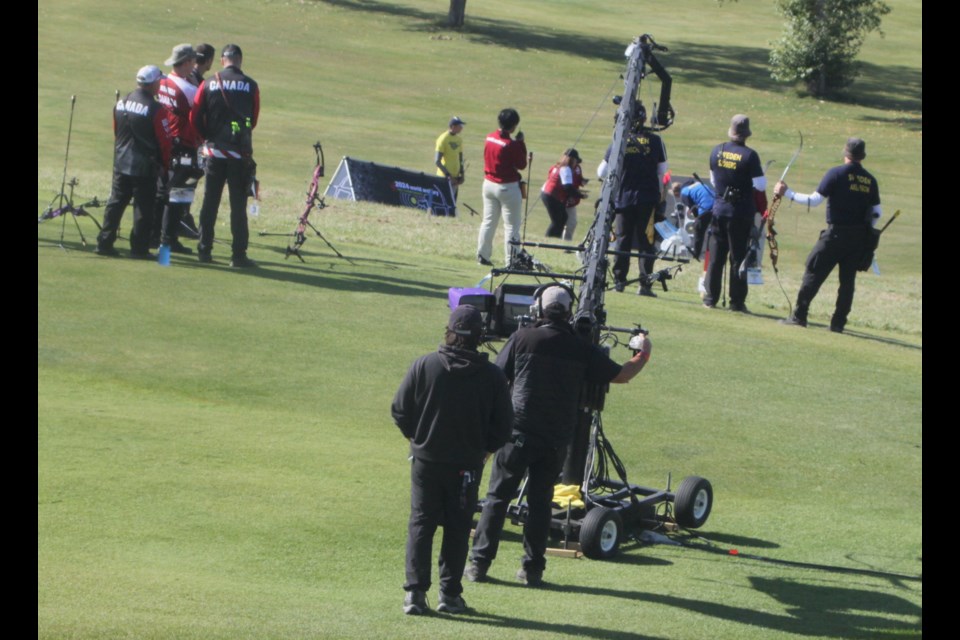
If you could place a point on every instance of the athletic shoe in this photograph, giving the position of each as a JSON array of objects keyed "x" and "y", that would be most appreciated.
[
  {"x": 476, "y": 572},
  {"x": 707, "y": 305},
  {"x": 483, "y": 261},
  {"x": 530, "y": 577},
  {"x": 415, "y": 603},
  {"x": 739, "y": 308},
  {"x": 836, "y": 328},
  {"x": 204, "y": 257},
  {"x": 177, "y": 247},
  {"x": 793, "y": 321},
  {"x": 242, "y": 262},
  {"x": 451, "y": 604},
  {"x": 110, "y": 252},
  {"x": 143, "y": 255},
  {"x": 619, "y": 286},
  {"x": 646, "y": 291}
]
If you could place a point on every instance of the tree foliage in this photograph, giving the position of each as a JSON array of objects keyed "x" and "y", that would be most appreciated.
[{"x": 822, "y": 39}]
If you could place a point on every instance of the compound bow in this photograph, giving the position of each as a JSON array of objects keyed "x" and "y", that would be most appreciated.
[{"x": 314, "y": 199}]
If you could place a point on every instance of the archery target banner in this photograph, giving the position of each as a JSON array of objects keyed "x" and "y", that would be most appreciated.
[{"x": 368, "y": 181}]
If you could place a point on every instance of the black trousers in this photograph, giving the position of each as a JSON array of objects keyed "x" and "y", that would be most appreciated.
[
  {"x": 557, "y": 211},
  {"x": 837, "y": 246},
  {"x": 171, "y": 208},
  {"x": 236, "y": 175},
  {"x": 440, "y": 495},
  {"x": 142, "y": 190},
  {"x": 630, "y": 227},
  {"x": 729, "y": 237},
  {"x": 510, "y": 464}
]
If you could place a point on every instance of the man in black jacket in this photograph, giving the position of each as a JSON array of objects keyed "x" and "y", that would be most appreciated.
[
  {"x": 141, "y": 127},
  {"x": 546, "y": 365},
  {"x": 224, "y": 114},
  {"x": 454, "y": 407}
]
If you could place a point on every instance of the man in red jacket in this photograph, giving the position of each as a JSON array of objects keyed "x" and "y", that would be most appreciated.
[
  {"x": 177, "y": 94},
  {"x": 224, "y": 115}
]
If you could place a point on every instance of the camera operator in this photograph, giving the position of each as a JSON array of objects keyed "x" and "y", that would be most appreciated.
[
  {"x": 454, "y": 407},
  {"x": 546, "y": 364}
]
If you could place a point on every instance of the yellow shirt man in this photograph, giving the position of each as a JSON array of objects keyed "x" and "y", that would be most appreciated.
[{"x": 449, "y": 158}]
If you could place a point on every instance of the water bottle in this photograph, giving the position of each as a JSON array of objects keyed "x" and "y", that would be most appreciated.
[{"x": 163, "y": 255}]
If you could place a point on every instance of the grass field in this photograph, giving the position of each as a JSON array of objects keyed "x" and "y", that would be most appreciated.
[{"x": 215, "y": 453}]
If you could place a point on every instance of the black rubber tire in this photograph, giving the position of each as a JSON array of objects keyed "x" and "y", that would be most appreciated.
[
  {"x": 600, "y": 533},
  {"x": 693, "y": 502}
]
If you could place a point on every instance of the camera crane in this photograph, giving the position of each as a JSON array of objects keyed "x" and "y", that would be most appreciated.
[{"x": 612, "y": 506}]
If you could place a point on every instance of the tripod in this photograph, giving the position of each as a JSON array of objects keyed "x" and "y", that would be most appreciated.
[
  {"x": 66, "y": 207},
  {"x": 64, "y": 200}
]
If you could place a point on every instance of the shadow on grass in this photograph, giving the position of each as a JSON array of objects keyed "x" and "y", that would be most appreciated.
[
  {"x": 319, "y": 254},
  {"x": 887, "y": 87},
  {"x": 811, "y": 326},
  {"x": 558, "y": 628},
  {"x": 742, "y": 541},
  {"x": 71, "y": 241},
  {"x": 718, "y": 66},
  {"x": 893, "y": 341},
  {"x": 347, "y": 279},
  {"x": 326, "y": 271},
  {"x": 865, "y": 569},
  {"x": 700, "y": 64},
  {"x": 503, "y": 33},
  {"x": 911, "y": 123},
  {"x": 809, "y": 610}
]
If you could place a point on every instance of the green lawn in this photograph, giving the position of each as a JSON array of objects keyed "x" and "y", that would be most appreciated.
[{"x": 215, "y": 454}]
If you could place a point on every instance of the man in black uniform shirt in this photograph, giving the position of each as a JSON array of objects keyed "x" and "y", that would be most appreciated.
[
  {"x": 142, "y": 144},
  {"x": 853, "y": 207},
  {"x": 740, "y": 188},
  {"x": 546, "y": 365},
  {"x": 641, "y": 191},
  {"x": 454, "y": 407},
  {"x": 224, "y": 115}
]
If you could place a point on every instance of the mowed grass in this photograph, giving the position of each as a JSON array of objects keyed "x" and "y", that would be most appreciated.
[{"x": 215, "y": 453}]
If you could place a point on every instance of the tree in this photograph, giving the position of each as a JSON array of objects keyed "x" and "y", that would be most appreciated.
[
  {"x": 457, "y": 13},
  {"x": 821, "y": 41}
]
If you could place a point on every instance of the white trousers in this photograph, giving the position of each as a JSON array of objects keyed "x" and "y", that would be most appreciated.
[{"x": 500, "y": 199}]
